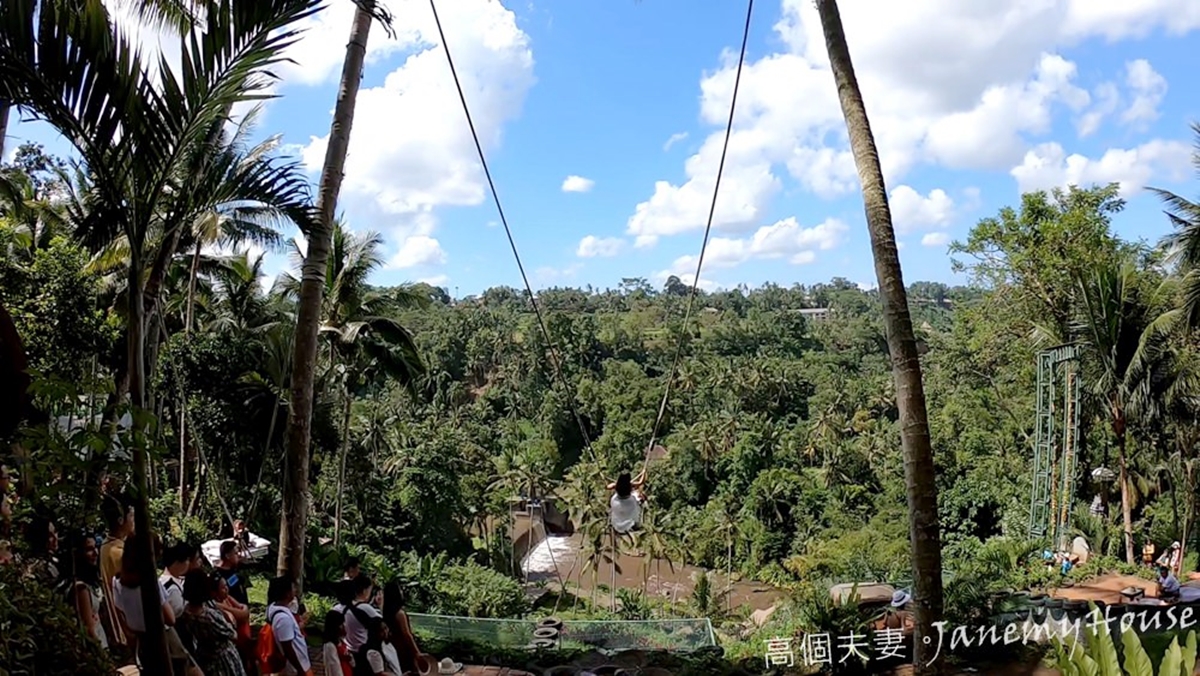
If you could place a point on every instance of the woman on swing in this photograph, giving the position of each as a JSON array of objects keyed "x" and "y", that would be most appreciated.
[{"x": 625, "y": 507}]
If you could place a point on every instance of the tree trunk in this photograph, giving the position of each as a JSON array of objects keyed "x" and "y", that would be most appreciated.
[
  {"x": 183, "y": 502},
  {"x": 1189, "y": 507},
  {"x": 154, "y": 656},
  {"x": 345, "y": 451},
  {"x": 919, "y": 471},
  {"x": 191, "y": 292},
  {"x": 294, "y": 518},
  {"x": 5, "y": 109},
  {"x": 1123, "y": 479}
]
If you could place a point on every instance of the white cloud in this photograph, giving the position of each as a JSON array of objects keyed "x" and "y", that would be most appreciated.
[
  {"x": 599, "y": 247},
  {"x": 935, "y": 239},
  {"x": 1106, "y": 97},
  {"x": 1048, "y": 166},
  {"x": 1117, "y": 19},
  {"x": 786, "y": 239},
  {"x": 1145, "y": 90},
  {"x": 418, "y": 250},
  {"x": 317, "y": 57},
  {"x": 411, "y": 150},
  {"x": 1148, "y": 88},
  {"x": 548, "y": 276},
  {"x": 911, "y": 211},
  {"x": 969, "y": 85},
  {"x": 675, "y": 138},
  {"x": 577, "y": 184},
  {"x": 435, "y": 280}
]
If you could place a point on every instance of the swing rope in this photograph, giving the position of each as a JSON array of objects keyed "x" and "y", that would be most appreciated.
[
  {"x": 571, "y": 403},
  {"x": 662, "y": 407}
]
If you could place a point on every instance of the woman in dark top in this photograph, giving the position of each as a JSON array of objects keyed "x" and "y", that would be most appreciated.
[{"x": 411, "y": 658}]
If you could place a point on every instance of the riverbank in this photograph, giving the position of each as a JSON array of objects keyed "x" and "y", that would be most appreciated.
[{"x": 556, "y": 560}]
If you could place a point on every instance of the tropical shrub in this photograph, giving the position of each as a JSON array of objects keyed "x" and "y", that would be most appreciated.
[
  {"x": 40, "y": 635},
  {"x": 471, "y": 590}
]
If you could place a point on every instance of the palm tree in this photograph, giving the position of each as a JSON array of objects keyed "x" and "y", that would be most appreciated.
[
  {"x": 1116, "y": 325},
  {"x": 293, "y": 523},
  {"x": 36, "y": 218},
  {"x": 1183, "y": 245},
  {"x": 362, "y": 333},
  {"x": 920, "y": 478},
  {"x": 234, "y": 224},
  {"x": 141, "y": 142}
]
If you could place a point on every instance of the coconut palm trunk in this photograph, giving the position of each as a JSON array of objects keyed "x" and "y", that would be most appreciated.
[
  {"x": 4, "y": 111},
  {"x": 294, "y": 518},
  {"x": 344, "y": 452},
  {"x": 919, "y": 473},
  {"x": 1123, "y": 480},
  {"x": 155, "y": 659}
]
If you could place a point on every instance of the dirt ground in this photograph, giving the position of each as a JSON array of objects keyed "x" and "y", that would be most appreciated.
[{"x": 1106, "y": 588}]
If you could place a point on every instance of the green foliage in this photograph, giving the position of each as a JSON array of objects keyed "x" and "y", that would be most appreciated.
[
  {"x": 1097, "y": 655},
  {"x": 470, "y": 590},
  {"x": 54, "y": 305},
  {"x": 633, "y": 605},
  {"x": 40, "y": 635}
]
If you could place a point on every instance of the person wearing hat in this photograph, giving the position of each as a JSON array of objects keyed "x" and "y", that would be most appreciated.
[
  {"x": 897, "y": 615},
  {"x": 1171, "y": 557}
]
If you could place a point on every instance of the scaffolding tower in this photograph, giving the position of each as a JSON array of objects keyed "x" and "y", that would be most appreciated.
[{"x": 1056, "y": 446}]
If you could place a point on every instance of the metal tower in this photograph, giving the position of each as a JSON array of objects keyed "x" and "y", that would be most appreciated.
[{"x": 1055, "y": 451}]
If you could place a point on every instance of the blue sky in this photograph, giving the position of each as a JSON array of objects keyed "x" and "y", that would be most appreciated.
[{"x": 971, "y": 104}]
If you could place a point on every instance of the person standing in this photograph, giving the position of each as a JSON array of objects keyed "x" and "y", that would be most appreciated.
[
  {"x": 81, "y": 586},
  {"x": 229, "y": 569},
  {"x": 178, "y": 561},
  {"x": 212, "y": 635},
  {"x": 288, "y": 637},
  {"x": 118, "y": 518},
  {"x": 358, "y": 611}
]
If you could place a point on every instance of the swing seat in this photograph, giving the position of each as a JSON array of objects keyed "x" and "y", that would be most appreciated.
[{"x": 258, "y": 549}]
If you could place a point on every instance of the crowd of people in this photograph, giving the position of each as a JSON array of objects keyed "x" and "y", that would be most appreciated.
[
  {"x": 100, "y": 578},
  {"x": 205, "y": 609}
]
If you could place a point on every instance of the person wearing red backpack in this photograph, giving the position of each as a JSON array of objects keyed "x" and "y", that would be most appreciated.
[{"x": 281, "y": 645}]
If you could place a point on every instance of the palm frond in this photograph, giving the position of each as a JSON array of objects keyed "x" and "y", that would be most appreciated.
[{"x": 180, "y": 16}]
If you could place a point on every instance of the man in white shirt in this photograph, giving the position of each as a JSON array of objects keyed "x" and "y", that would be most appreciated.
[
  {"x": 280, "y": 594},
  {"x": 178, "y": 561},
  {"x": 356, "y": 607}
]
